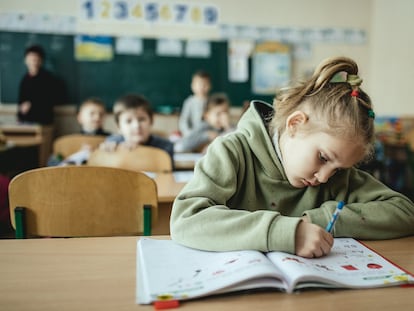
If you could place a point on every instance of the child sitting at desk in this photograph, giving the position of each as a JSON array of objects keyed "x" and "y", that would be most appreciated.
[
  {"x": 216, "y": 121},
  {"x": 193, "y": 107},
  {"x": 274, "y": 184},
  {"x": 91, "y": 116},
  {"x": 134, "y": 118}
]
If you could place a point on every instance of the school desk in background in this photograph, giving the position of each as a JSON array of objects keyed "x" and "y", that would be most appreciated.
[{"x": 29, "y": 136}]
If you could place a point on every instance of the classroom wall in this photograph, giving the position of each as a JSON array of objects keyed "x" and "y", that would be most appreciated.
[
  {"x": 392, "y": 57},
  {"x": 385, "y": 61},
  {"x": 293, "y": 13}
]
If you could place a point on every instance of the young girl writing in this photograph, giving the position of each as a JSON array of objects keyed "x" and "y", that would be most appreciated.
[{"x": 274, "y": 184}]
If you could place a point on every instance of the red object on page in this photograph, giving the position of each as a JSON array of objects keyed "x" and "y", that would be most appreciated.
[{"x": 166, "y": 304}]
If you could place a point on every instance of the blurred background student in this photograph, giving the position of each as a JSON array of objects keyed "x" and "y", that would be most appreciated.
[
  {"x": 215, "y": 122},
  {"x": 193, "y": 107},
  {"x": 134, "y": 118},
  {"x": 39, "y": 90},
  {"x": 91, "y": 117}
]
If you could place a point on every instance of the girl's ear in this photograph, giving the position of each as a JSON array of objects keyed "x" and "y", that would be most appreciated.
[{"x": 294, "y": 121}]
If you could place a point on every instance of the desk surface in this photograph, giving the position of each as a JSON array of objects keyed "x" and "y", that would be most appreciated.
[
  {"x": 22, "y": 135},
  {"x": 24, "y": 141},
  {"x": 99, "y": 274},
  {"x": 167, "y": 187},
  {"x": 186, "y": 161},
  {"x": 18, "y": 128},
  {"x": 30, "y": 135}
]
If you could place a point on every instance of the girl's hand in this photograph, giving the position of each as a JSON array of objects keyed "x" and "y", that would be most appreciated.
[{"x": 312, "y": 241}]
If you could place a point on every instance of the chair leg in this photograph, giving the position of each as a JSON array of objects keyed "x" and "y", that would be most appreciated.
[
  {"x": 20, "y": 221},
  {"x": 147, "y": 219}
]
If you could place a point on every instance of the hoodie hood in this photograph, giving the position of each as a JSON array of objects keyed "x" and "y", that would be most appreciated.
[{"x": 254, "y": 126}]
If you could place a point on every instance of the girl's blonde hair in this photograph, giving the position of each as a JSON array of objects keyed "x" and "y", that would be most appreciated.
[{"x": 333, "y": 102}]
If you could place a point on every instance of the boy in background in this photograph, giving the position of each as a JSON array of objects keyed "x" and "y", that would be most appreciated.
[
  {"x": 216, "y": 121},
  {"x": 134, "y": 118},
  {"x": 194, "y": 105},
  {"x": 91, "y": 117}
]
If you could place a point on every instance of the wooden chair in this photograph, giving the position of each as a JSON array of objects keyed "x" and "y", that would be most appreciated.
[
  {"x": 142, "y": 158},
  {"x": 79, "y": 201},
  {"x": 69, "y": 144}
]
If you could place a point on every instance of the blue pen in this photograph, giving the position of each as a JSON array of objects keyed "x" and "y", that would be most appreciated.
[{"x": 335, "y": 215}]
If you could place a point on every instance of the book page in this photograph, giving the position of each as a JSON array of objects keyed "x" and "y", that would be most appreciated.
[
  {"x": 350, "y": 264},
  {"x": 167, "y": 268}
]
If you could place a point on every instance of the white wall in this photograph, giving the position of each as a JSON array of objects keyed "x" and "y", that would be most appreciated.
[
  {"x": 386, "y": 61},
  {"x": 392, "y": 57}
]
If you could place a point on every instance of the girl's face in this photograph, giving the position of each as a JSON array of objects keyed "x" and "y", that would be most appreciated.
[
  {"x": 310, "y": 159},
  {"x": 135, "y": 125}
]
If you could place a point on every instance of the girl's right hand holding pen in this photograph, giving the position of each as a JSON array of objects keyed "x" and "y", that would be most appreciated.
[{"x": 311, "y": 240}]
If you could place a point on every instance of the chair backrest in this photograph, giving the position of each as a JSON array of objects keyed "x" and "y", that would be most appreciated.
[
  {"x": 80, "y": 201},
  {"x": 69, "y": 144},
  {"x": 142, "y": 158}
]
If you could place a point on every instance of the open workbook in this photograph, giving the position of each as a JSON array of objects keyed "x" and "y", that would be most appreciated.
[{"x": 167, "y": 269}]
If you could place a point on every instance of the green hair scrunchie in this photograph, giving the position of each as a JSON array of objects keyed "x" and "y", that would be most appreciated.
[
  {"x": 354, "y": 80},
  {"x": 371, "y": 113}
]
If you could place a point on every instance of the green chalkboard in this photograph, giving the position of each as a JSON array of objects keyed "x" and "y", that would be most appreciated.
[{"x": 165, "y": 81}]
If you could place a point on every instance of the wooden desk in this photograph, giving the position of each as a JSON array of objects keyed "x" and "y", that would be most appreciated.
[
  {"x": 22, "y": 135},
  {"x": 99, "y": 274},
  {"x": 167, "y": 189},
  {"x": 28, "y": 135},
  {"x": 186, "y": 161},
  {"x": 24, "y": 141},
  {"x": 16, "y": 159}
]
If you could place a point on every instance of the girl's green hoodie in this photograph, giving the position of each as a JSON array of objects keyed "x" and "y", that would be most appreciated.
[{"x": 240, "y": 198}]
